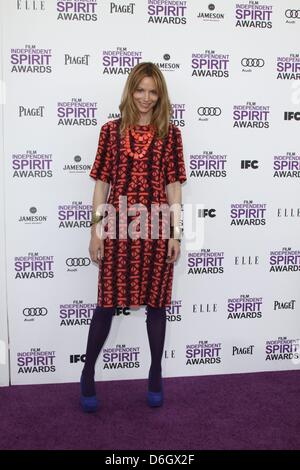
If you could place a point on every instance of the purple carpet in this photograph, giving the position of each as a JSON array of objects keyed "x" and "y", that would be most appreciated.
[{"x": 225, "y": 412}]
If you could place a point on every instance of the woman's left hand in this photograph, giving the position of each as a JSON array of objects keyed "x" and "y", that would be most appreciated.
[{"x": 173, "y": 250}]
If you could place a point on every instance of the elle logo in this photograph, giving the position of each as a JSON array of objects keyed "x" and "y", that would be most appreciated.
[{"x": 31, "y": 5}]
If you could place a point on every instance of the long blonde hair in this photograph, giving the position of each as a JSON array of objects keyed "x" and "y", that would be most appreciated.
[{"x": 162, "y": 112}]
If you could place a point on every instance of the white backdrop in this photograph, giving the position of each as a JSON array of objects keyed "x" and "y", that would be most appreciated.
[{"x": 232, "y": 73}]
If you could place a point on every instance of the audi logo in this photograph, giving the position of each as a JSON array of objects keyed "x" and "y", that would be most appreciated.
[
  {"x": 292, "y": 13},
  {"x": 250, "y": 62},
  {"x": 78, "y": 262},
  {"x": 35, "y": 311},
  {"x": 209, "y": 111}
]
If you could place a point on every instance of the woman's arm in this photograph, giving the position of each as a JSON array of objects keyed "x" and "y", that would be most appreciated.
[
  {"x": 173, "y": 191},
  {"x": 99, "y": 198},
  {"x": 174, "y": 200}
]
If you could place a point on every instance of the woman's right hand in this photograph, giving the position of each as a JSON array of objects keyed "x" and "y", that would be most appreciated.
[{"x": 96, "y": 248}]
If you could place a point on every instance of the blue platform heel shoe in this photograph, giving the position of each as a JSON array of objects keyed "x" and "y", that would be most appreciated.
[
  {"x": 88, "y": 404},
  {"x": 155, "y": 399}
]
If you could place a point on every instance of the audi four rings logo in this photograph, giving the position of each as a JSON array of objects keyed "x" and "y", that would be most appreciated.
[
  {"x": 35, "y": 311},
  {"x": 209, "y": 111},
  {"x": 78, "y": 261},
  {"x": 251, "y": 62},
  {"x": 292, "y": 13}
]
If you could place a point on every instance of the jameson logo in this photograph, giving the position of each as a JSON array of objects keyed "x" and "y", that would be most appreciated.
[
  {"x": 248, "y": 213},
  {"x": 206, "y": 262},
  {"x": 203, "y": 353},
  {"x": 77, "y": 313},
  {"x": 120, "y": 61},
  {"x": 76, "y": 113},
  {"x": 34, "y": 266},
  {"x": 121, "y": 357},
  {"x": 36, "y": 361},
  {"x": 34, "y": 218},
  {"x": 167, "y": 11},
  {"x": 251, "y": 115},
  {"x": 210, "y": 15},
  {"x": 32, "y": 165},
  {"x": 77, "y": 166},
  {"x": 113, "y": 116},
  {"x": 288, "y": 68},
  {"x": 285, "y": 260},
  {"x": 244, "y": 307},
  {"x": 167, "y": 66},
  {"x": 210, "y": 64},
  {"x": 31, "y": 59},
  {"x": 208, "y": 165},
  {"x": 253, "y": 15},
  {"x": 76, "y": 10},
  {"x": 286, "y": 166}
]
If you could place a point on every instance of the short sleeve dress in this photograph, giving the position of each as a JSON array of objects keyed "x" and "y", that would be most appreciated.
[{"x": 134, "y": 271}]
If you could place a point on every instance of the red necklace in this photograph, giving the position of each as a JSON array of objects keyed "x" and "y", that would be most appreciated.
[{"x": 145, "y": 138}]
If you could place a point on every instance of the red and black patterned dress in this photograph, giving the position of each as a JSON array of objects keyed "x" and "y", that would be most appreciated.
[{"x": 134, "y": 272}]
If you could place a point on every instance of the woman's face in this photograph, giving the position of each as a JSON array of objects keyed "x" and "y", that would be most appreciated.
[{"x": 145, "y": 96}]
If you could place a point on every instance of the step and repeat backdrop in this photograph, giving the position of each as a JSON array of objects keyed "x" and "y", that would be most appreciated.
[{"x": 232, "y": 71}]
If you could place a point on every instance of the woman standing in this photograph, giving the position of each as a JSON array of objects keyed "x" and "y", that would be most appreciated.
[{"x": 140, "y": 160}]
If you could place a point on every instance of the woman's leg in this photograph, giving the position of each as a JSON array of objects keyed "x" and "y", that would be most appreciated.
[
  {"x": 156, "y": 329},
  {"x": 98, "y": 332}
]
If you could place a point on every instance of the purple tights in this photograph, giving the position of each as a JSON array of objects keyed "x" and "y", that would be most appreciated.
[{"x": 98, "y": 333}]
